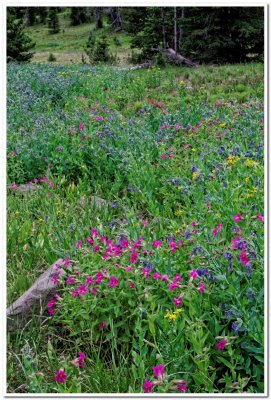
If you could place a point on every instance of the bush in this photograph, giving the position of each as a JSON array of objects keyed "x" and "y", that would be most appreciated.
[{"x": 51, "y": 57}]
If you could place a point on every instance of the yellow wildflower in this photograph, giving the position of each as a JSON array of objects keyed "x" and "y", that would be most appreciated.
[
  {"x": 195, "y": 175},
  {"x": 193, "y": 149},
  {"x": 171, "y": 317},
  {"x": 250, "y": 163},
  {"x": 179, "y": 212},
  {"x": 232, "y": 160},
  {"x": 181, "y": 83},
  {"x": 179, "y": 187},
  {"x": 222, "y": 124},
  {"x": 247, "y": 179},
  {"x": 17, "y": 213}
]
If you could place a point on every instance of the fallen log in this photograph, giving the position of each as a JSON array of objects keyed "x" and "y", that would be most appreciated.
[
  {"x": 144, "y": 65},
  {"x": 178, "y": 58},
  {"x": 33, "y": 300}
]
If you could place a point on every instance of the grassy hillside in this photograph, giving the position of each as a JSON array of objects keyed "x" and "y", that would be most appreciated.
[{"x": 68, "y": 44}]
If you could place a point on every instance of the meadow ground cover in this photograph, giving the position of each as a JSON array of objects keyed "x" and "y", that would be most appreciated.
[{"x": 164, "y": 286}]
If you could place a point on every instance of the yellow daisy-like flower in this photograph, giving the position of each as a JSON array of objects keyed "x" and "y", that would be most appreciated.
[
  {"x": 222, "y": 124},
  {"x": 171, "y": 317},
  {"x": 193, "y": 149},
  {"x": 247, "y": 179},
  {"x": 179, "y": 187},
  {"x": 17, "y": 213},
  {"x": 181, "y": 83}
]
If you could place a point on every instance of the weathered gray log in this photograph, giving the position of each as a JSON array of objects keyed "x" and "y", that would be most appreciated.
[
  {"x": 144, "y": 65},
  {"x": 25, "y": 188},
  {"x": 34, "y": 299},
  {"x": 178, "y": 58}
]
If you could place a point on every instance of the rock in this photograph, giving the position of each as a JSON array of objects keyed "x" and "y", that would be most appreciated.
[
  {"x": 33, "y": 300},
  {"x": 94, "y": 201},
  {"x": 24, "y": 188}
]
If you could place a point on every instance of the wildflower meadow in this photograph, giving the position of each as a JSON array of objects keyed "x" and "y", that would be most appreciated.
[{"x": 147, "y": 188}]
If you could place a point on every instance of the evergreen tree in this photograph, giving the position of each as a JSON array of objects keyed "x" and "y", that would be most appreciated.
[
  {"x": 18, "y": 42},
  {"x": 81, "y": 15},
  {"x": 42, "y": 14},
  {"x": 31, "y": 13},
  {"x": 98, "y": 50},
  {"x": 53, "y": 21}
]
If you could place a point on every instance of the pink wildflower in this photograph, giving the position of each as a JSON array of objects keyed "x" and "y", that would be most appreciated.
[
  {"x": 173, "y": 286},
  {"x": 90, "y": 241},
  {"x": 89, "y": 280},
  {"x": 193, "y": 223},
  {"x": 157, "y": 275},
  {"x": 94, "y": 291},
  {"x": 173, "y": 246},
  {"x": 60, "y": 376},
  {"x": 177, "y": 278},
  {"x": 128, "y": 268},
  {"x": 99, "y": 118},
  {"x": 114, "y": 281},
  {"x": 81, "y": 359},
  {"x": 132, "y": 285},
  {"x": 96, "y": 249},
  {"x": 75, "y": 293},
  {"x": 237, "y": 217},
  {"x": 82, "y": 289},
  {"x": 157, "y": 243},
  {"x": 51, "y": 311},
  {"x": 148, "y": 386},
  {"x": 54, "y": 279},
  {"x": 50, "y": 184},
  {"x": 201, "y": 288},
  {"x": 182, "y": 387},
  {"x": 145, "y": 222},
  {"x": 215, "y": 232},
  {"x": 81, "y": 126},
  {"x": 193, "y": 274},
  {"x": 243, "y": 257},
  {"x": 133, "y": 257},
  {"x": 67, "y": 262},
  {"x": 178, "y": 301},
  {"x": 124, "y": 244},
  {"x": 51, "y": 303},
  {"x": 165, "y": 278},
  {"x": 70, "y": 280},
  {"x": 260, "y": 217},
  {"x": 158, "y": 370},
  {"x": 220, "y": 345},
  {"x": 220, "y": 226},
  {"x": 102, "y": 325},
  {"x": 163, "y": 156},
  {"x": 146, "y": 272},
  {"x": 94, "y": 232},
  {"x": 13, "y": 186},
  {"x": 79, "y": 244}
]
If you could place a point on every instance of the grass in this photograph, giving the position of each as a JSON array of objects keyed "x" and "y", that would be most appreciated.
[{"x": 177, "y": 153}]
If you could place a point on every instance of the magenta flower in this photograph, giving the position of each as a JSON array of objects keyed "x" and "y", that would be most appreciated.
[
  {"x": 165, "y": 278},
  {"x": 124, "y": 244},
  {"x": 157, "y": 275},
  {"x": 237, "y": 217},
  {"x": 145, "y": 222},
  {"x": 90, "y": 241},
  {"x": 173, "y": 286},
  {"x": 51, "y": 303},
  {"x": 81, "y": 359},
  {"x": 128, "y": 268},
  {"x": 193, "y": 274},
  {"x": 102, "y": 325},
  {"x": 82, "y": 289},
  {"x": 177, "y": 278},
  {"x": 114, "y": 281},
  {"x": 70, "y": 280},
  {"x": 102, "y": 239},
  {"x": 146, "y": 272},
  {"x": 193, "y": 223},
  {"x": 51, "y": 311},
  {"x": 132, "y": 285},
  {"x": 50, "y": 184},
  {"x": 94, "y": 291},
  {"x": 54, "y": 279},
  {"x": 182, "y": 387},
  {"x": 220, "y": 226},
  {"x": 221, "y": 345},
  {"x": 96, "y": 249},
  {"x": 201, "y": 288},
  {"x": 79, "y": 244},
  {"x": 94, "y": 232},
  {"x": 60, "y": 376},
  {"x": 178, "y": 301},
  {"x": 81, "y": 126},
  {"x": 75, "y": 293},
  {"x": 170, "y": 155},
  {"x": 157, "y": 243},
  {"x": 148, "y": 386},
  {"x": 67, "y": 262},
  {"x": 133, "y": 258},
  {"x": 173, "y": 246},
  {"x": 163, "y": 156},
  {"x": 215, "y": 232},
  {"x": 89, "y": 280},
  {"x": 99, "y": 118},
  {"x": 260, "y": 217},
  {"x": 243, "y": 257},
  {"x": 158, "y": 370}
]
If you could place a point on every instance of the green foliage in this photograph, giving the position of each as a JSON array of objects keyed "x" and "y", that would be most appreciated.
[{"x": 18, "y": 42}]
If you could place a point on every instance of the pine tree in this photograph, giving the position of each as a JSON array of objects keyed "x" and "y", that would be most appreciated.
[
  {"x": 53, "y": 21},
  {"x": 18, "y": 42}
]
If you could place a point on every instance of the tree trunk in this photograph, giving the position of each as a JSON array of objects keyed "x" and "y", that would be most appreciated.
[
  {"x": 98, "y": 17},
  {"x": 163, "y": 27},
  {"x": 175, "y": 30}
]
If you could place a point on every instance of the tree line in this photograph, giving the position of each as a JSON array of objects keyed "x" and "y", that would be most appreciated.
[{"x": 176, "y": 34}]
